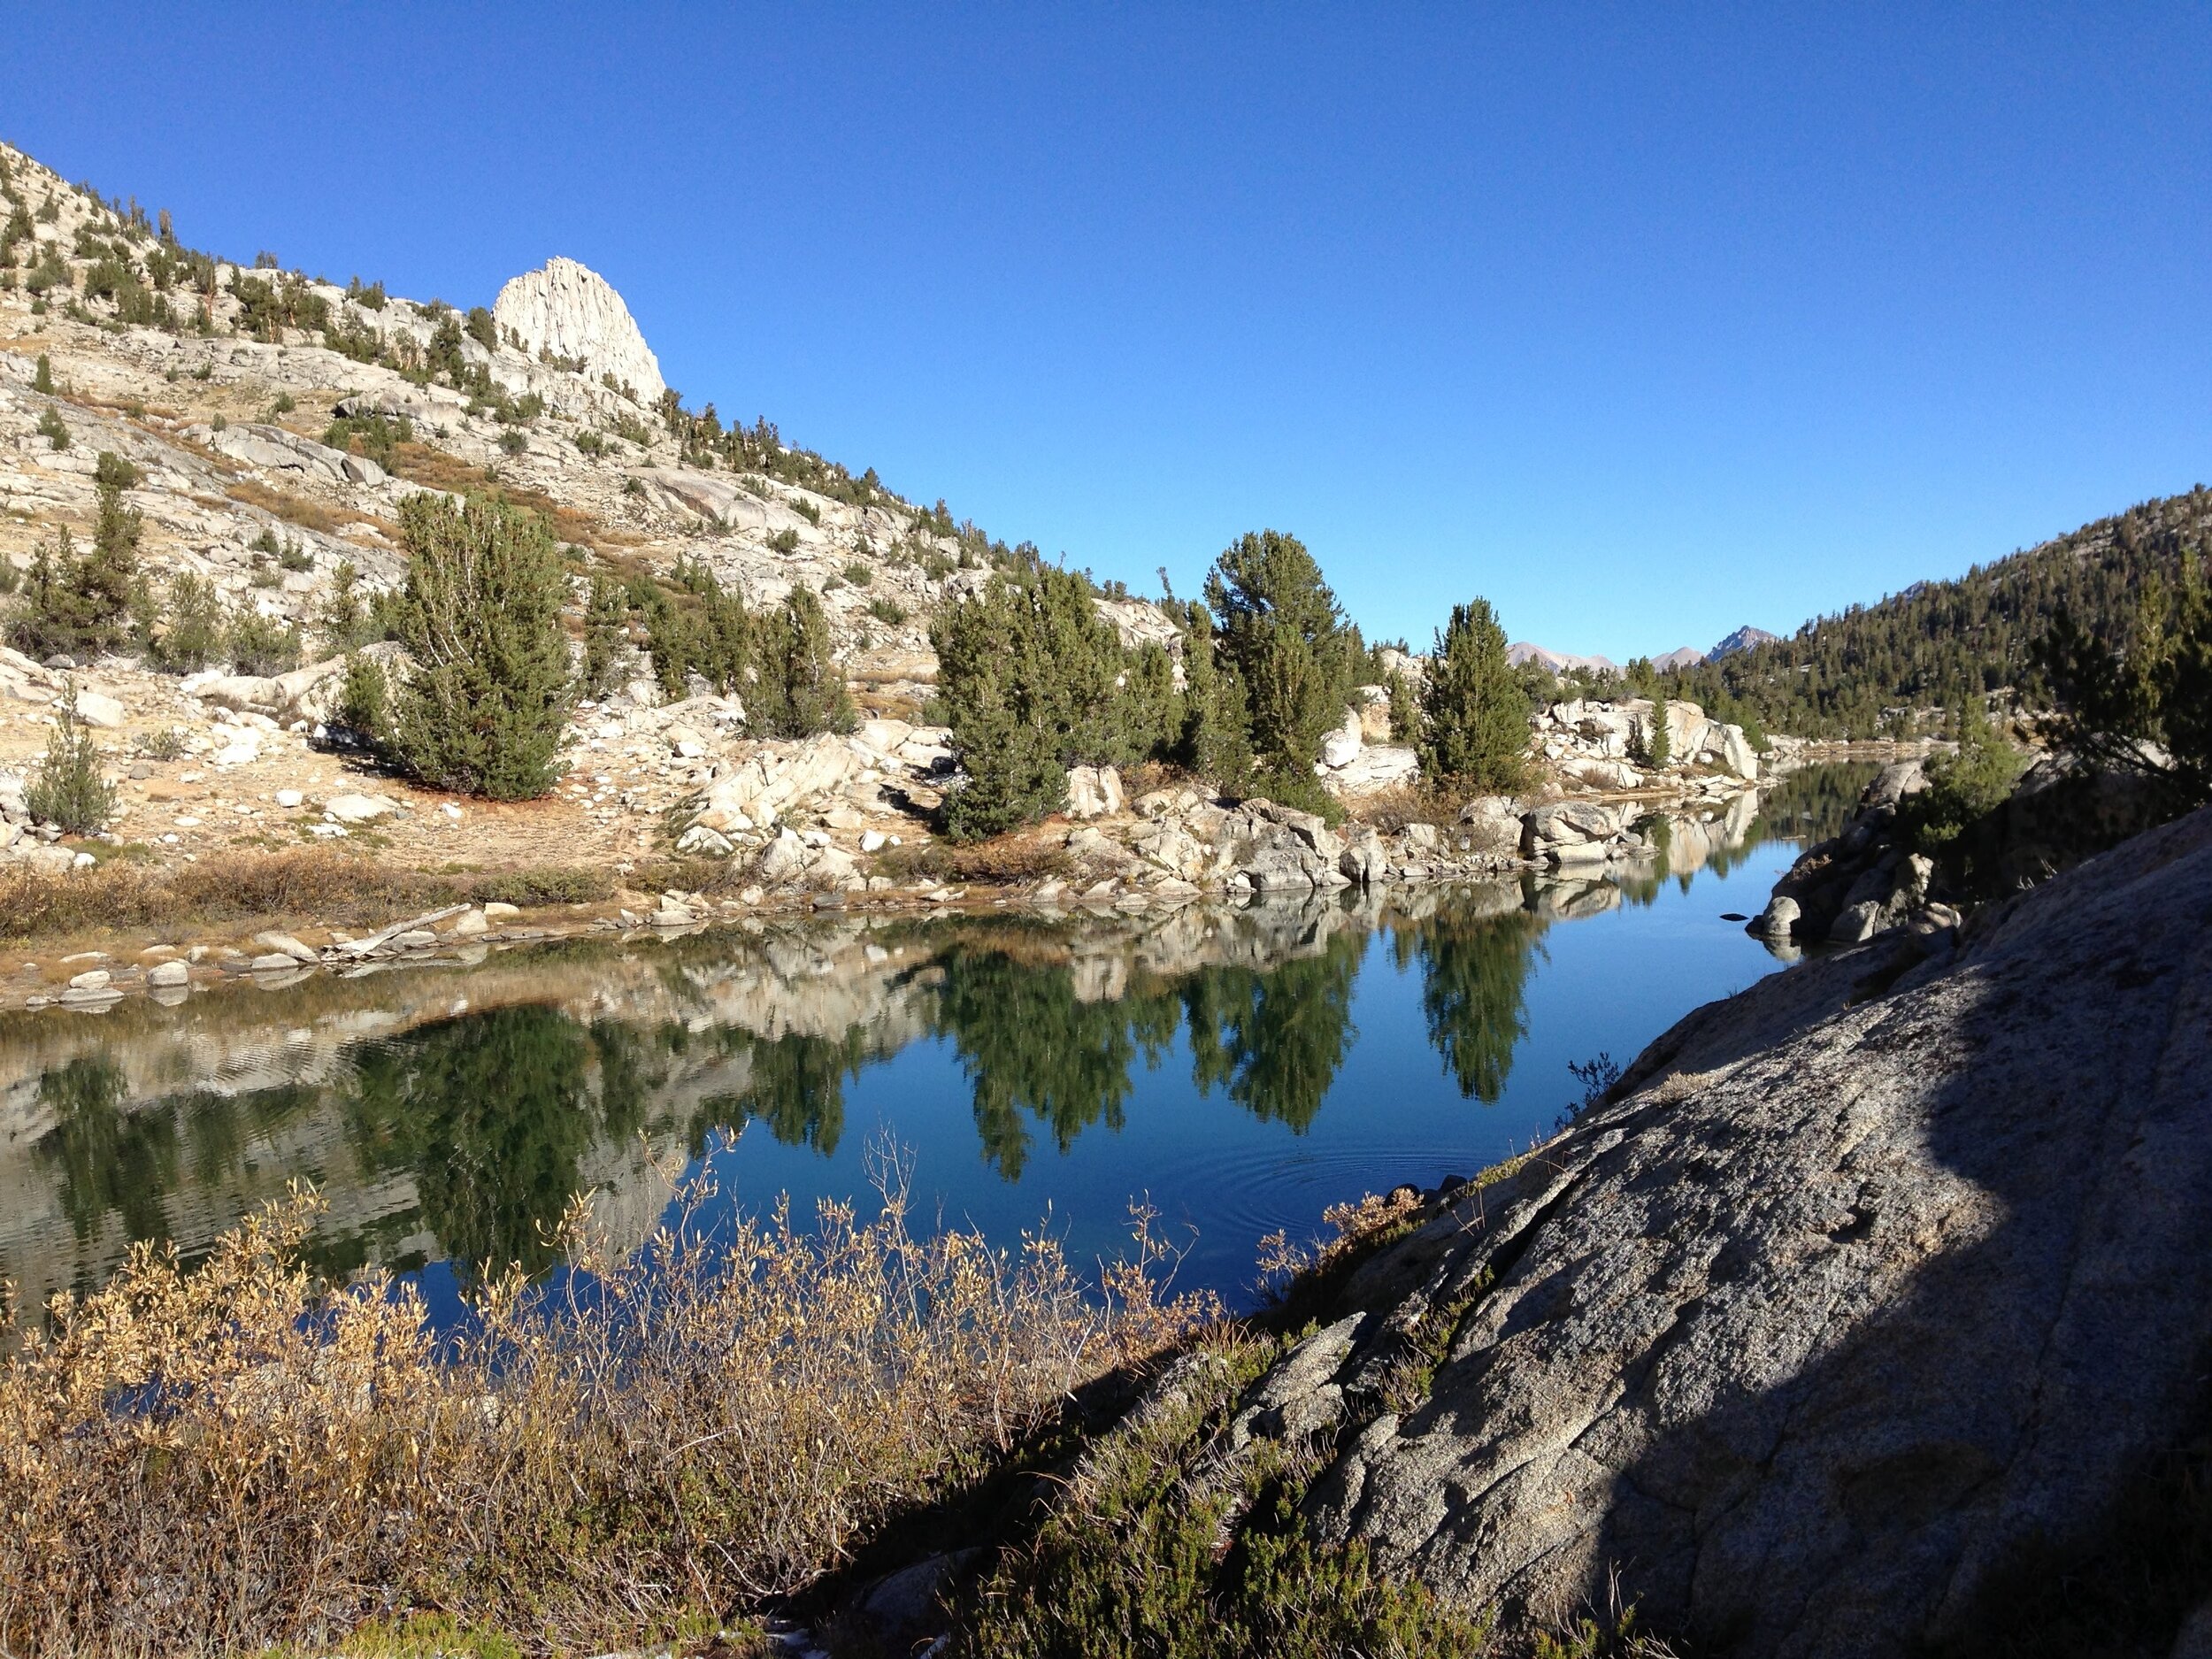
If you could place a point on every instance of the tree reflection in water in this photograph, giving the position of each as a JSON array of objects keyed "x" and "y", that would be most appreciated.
[
  {"x": 112, "y": 1162},
  {"x": 492, "y": 1113},
  {"x": 1474, "y": 981},
  {"x": 796, "y": 1087},
  {"x": 1273, "y": 1039},
  {"x": 1029, "y": 1043}
]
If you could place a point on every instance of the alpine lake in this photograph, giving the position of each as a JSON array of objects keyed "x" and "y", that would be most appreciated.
[{"x": 1239, "y": 1068}]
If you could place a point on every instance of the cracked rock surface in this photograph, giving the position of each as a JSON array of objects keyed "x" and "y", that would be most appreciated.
[{"x": 1858, "y": 1285}]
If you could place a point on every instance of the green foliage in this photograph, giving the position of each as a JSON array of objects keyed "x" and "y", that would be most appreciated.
[
  {"x": 706, "y": 631},
  {"x": 1215, "y": 741},
  {"x": 50, "y": 273},
  {"x": 798, "y": 688},
  {"x": 1474, "y": 713},
  {"x": 606, "y": 635},
  {"x": 887, "y": 611},
  {"x": 1658, "y": 743},
  {"x": 376, "y": 436},
  {"x": 1938, "y": 643},
  {"x": 54, "y": 429},
  {"x": 65, "y": 788},
  {"x": 268, "y": 306},
  {"x": 860, "y": 573},
  {"x": 511, "y": 442},
  {"x": 482, "y": 329},
  {"x": 1405, "y": 711},
  {"x": 1027, "y": 675},
  {"x": 364, "y": 708},
  {"x": 42, "y": 378},
  {"x": 190, "y": 634},
  {"x": 1949, "y": 819},
  {"x": 113, "y": 469},
  {"x": 2147, "y": 705},
  {"x": 81, "y": 606},
  {"x": 257, "y": 644},
  {"x": 1279, "y": 630},
  {"x": 784, "y": 542},
  {"x": 482, "y": 710},
  {"x": 1151, "y": 1557}
]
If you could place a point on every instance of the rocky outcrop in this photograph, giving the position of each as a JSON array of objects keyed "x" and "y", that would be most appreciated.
[
  {"x": 1857, "y": 884},
  {"x": 571, "y": 312},
  {"x": 1850, "y": 1314},
  {"x": 1585, "y": 731}
]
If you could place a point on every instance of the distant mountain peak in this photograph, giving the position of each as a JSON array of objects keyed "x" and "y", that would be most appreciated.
[
  {"x": 1558, "y": 662},
  {"x": 1742, "y": 640}
]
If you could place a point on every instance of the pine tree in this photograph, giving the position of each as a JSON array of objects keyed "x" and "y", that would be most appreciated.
[
  {"x": 109, "y": 577},
  {"x": 66, "y": 788},
  {"x": 1405, "y": 711},
  {"x": 1282, "y": 634},
  {"x": 798, "y": 688},
  {"x": 1473, "y": 709},
  {"x": 606, "y": 635},
  {"x": 1659, "y": 746},
  {"x": 1215, "y": 741},
  {"x": 483, "y": 711},
  {"x": 2147, "y": 707},
  {"x": 81, "y": 605},
  {"x": 1029, "y": 678}
]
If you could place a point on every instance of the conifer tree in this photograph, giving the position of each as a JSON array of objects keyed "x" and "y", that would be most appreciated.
[
  {"x": 81, "y": 605},
  {"x": 2147, "y": 707},
  {"x": 1215, "y": 741},
  {"x": 606, "y": 635},
  {"x": 1474, "y": 712},
  {"x": 1029, "y": 678},
  {"x": 1282, "y": 634},
  {"x": 66, "y": 788},
  {"x": 798, "y": 688},
  {"x": 482, "y": 710},
  {"x": 1405, "y": 711},
  {"x": 1659, "y": 746}
]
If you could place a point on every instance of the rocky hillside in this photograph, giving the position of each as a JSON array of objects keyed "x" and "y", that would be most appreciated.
[
  {"x": 224, "y": 389},
  {"x": 1899, "y": 665},
  {"x": 1867, "y": 1314}
]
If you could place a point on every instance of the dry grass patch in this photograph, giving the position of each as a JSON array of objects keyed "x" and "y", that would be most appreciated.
[
  {"x": 313, "y": 515},
  {"x": 420, "y": 463},
  {"x": 1006, "y": 860},
  {"x": 1389, "y": 810},
  {"x": 336, "y": 888},
  {"x": 238, "y": 1455}
]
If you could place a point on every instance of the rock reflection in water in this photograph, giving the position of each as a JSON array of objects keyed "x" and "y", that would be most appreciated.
[{"x": 451, "y": 1114}]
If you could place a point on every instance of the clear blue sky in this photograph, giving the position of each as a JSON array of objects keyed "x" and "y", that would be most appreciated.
[{"x": 1643, "y": 321}]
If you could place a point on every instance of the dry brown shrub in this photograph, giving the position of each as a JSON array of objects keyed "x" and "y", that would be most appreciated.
[
  {"x": 299, "y": 508},
  {"x": 421, "y": 463},
  {"x": 236, "y": 1456},
  {"x": 1389, "y": 810},
  {"x": 335, "y": 889},
  {"x": 1005, "y": 860},
  {"x": 1355, "y": 1228}
]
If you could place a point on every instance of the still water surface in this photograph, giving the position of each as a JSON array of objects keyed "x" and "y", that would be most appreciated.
[{"x": 1241, "y": 1068}]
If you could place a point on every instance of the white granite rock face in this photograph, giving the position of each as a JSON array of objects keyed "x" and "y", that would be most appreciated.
[{"x": 572, "y": 311}]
